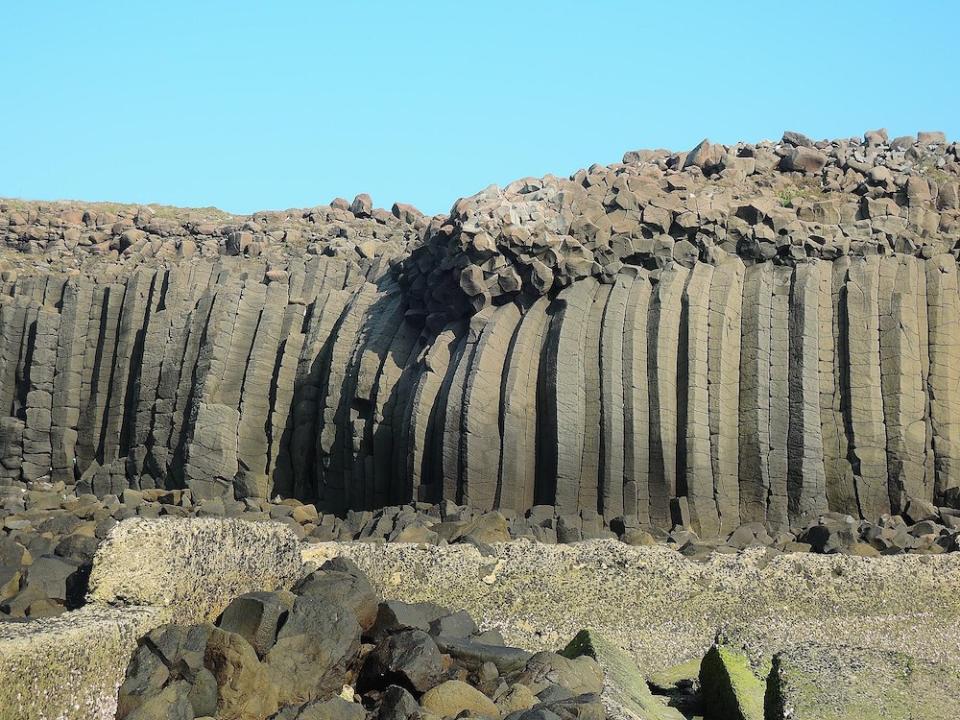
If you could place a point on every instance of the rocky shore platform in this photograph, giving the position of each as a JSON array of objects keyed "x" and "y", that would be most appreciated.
[{"x": 226, "y": 618}]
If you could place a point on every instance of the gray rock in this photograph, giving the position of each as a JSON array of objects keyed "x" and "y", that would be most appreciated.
[{"x": 408, "y": 658}]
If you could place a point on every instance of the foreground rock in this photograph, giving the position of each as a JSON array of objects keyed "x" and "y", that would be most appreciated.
[
  {"x": 306, "y": 655},
  {"x": 626, "y": 695},
  {"x": 729, "y": 686},
  {"x": 813, "y": 682},
  {"x": 315, "y": 653}
]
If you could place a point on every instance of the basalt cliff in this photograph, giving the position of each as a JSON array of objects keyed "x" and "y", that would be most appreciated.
[{"x": 747, "y": 333}]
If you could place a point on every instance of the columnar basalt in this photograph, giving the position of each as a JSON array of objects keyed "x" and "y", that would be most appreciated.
[{"x": 733, "y": 334}]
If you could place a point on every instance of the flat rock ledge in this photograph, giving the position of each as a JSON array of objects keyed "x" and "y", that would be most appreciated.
[
  {"x": 69, "y": 667},
  {"x": 196, "y": 565},
  {"x": 665, "y": 609}
]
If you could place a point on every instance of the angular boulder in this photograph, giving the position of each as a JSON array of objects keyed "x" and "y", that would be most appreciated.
[{"x": 728, "y": 686}]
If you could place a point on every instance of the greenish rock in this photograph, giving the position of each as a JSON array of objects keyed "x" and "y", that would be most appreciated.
[
  {"x": 817, "y": 682},
  {"x": 625, "y": 695},
  {"x": 675, "y": 678},
  {"x": 728, "y": 686}
]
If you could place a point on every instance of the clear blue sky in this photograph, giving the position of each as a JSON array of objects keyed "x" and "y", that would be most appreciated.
[{"x": 251, "y": 106}]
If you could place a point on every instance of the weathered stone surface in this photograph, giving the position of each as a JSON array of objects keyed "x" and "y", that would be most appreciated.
[
  {"x": 314, "y": 648},
  {"x": 450, "y": 698},
  {"x": 409, "y": 658},
  {"x": 847, "y": 683},
  {"x": 246, "y": 689},
  {"x": 197, "y": 564}
]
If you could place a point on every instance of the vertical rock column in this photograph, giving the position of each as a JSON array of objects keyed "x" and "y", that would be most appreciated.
[
  {"x": 386, "y": 319},
  {"x": 257, "y": 396},
  {"x": 312, "y": 369},
  {"x": 334, "y": 411},
  {"x": 864, "y": 415},
  {"x": 481, "y": 419},
  {"x": 36, "y": 432},
  {"x": 903, "y": 375},
  {"x": 451, "y": 452},
  {"x": 563, "y": 399},
  {"x": 65, "y": 407},
  {"x": 834, "y": 368},
  {"x": 755, "y": 393},
  {"x": 806, "y": 480},
  {"x": 612, "y": 438},
  {"x": 696, "y": 460},
  {"x": 636, "y": 401},
  {"x": 723, "y": 378},
  {"x": 518, "y": 459},
  {"x": 588, "y": 497},
  {"x": 943, "y": 313},
  {"x": 426, "y": 405},
  {"x": 777, "y": 501},
  {"x": 663, "y": 342},
  {"x": 392, "y": 391}
]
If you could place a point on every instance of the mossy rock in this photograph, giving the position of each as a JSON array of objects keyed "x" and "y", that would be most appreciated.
[
  {"x": 728, "y": 686},
  {"x": 625, "y": 694},
  {"x": 677, "y": 677},
  {"x": 816, "y": 682}
]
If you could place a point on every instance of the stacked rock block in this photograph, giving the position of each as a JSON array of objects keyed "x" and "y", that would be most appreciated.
[{"x": 755, "y": 333}]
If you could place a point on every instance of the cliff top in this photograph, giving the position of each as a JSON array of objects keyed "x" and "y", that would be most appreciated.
[{"x": 785, "y": 202}]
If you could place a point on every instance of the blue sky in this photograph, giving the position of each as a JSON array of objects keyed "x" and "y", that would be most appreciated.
[{"x": 250, "y": 106}]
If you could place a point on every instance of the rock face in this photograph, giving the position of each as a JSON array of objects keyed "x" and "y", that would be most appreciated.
[{"x": 753, "y": 333}]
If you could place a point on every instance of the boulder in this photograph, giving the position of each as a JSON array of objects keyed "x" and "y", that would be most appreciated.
[
  {"x": 397, "y": 704},
  {"x": 515, "y": 699},
  {"x": 625, "y": 693},
  {"x": 362, "y": 205},
  {"x": 580, "y": 674},
  {"x": 409, "y": 658},
  {"x": 335, "y": 708},
  {"x": 812, "y": 682},
  {"x": 256, "y": 617},
  {"x": 316, "y": 645},
  {"x": 394, "y": 615},
  {"x": 450, "y": 698},
  {"x": 246, "y": 690},
  {"x": 340, "y": 583},
  {"x": 473, "y": 653},
  {"x": 170, "y": 703},
  {"x": 728, "y": 686},
  {"x": 803, "y": 159}
]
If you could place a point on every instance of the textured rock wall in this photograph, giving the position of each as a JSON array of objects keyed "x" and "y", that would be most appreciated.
[
  {"x": 688, "y": 349},
  {"x": 763, "y": 393}
]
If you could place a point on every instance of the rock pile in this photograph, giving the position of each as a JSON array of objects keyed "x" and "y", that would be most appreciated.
[
  {"x": 784, "y": 202},
  {"x": 328, "y": 649},
  {"x": 66, "y": 236},
  {"x": 748, "y": 334}
]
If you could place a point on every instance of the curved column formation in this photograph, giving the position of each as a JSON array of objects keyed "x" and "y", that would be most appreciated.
[{"x": 710, "y": 394}]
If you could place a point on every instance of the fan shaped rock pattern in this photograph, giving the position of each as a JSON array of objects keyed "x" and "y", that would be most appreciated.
[{"x": 735, "y": 334}]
